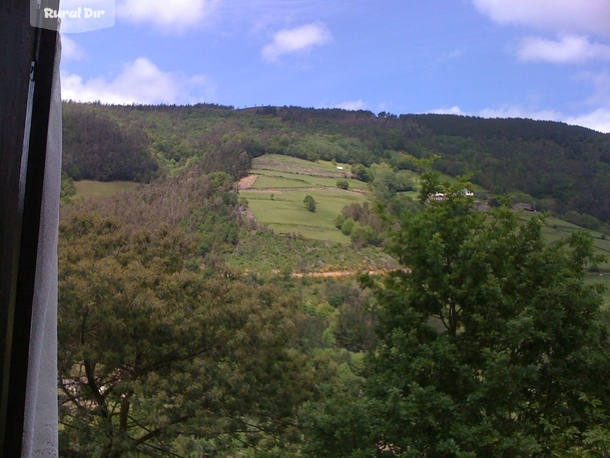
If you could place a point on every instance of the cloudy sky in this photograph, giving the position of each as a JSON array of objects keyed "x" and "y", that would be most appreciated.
[{"x": 540, "y": 59}]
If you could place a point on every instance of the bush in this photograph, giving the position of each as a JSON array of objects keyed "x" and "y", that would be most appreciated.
[
  {"x": 342, "y": 184},
  {"x": 347, "y": 226},
  {"x": 364, "y": 236},
  {"x": 310, "y": 203},
  {"x": 339, "y": 220},
  {"x": 362, "y": 173}
]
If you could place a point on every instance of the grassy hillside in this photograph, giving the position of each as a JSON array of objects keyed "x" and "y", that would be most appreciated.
[
  {"x": 266, "y": 254},
  {"x": 557, "y": 229},
  {"x": 276, "y": 200},
  {"x": 282, "y": 182}
]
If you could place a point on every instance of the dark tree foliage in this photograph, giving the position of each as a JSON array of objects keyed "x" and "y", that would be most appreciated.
[
  {"x": 97, "y": 148},
  {"x": 158, "y": 360},
  {"x": 354, "y": 327},
  {"x": 310, "y": 203},
  {"x": 205, "y": 205},
  {"x": 364, "y": 225},
  {"x": 490, "y": 344},
  {"x": 548, "y": 160},
  {"x": 362, "y": 173},
  {"x": 343, "y": 184},
  {"x": 227, "y": 148}
]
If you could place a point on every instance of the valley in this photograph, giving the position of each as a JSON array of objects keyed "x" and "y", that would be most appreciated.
[{"x": 208, "y": 308}]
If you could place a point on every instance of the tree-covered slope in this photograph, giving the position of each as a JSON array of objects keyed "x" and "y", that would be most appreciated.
[
  {"x": 188, "y": 329},
  {"x": 567, "y": 166},
  {"x": 562, "y": 168}
]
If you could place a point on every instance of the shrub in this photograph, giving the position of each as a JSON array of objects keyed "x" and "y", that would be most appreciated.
[
  {"x": 310, "y": 203},
  {"x": 342, "y": 184},
  {"x": 347, "y": 226},
  {"x": 339, "y": 220}
]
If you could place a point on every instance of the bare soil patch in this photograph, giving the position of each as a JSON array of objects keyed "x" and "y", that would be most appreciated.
[{"x": 247, "y": 182}]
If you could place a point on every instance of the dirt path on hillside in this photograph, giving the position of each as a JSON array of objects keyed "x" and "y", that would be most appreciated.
[{"x": 335, "y": 273}]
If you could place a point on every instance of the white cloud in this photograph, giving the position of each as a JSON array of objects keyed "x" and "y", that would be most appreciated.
[
  {"x": 506, "y": 111},
  {"x": 566, "y": 16},
  {"x": 568, "y": 49},
  {"x": 454, "y": 110},
  {"x": 518, "y": 111},
  {"x": 601, "y": 84},
  {"x": 70, "y": 50},
  {"x": 298, "y": 39},
  {"x": 141, "y": 81},
  {"x": 353, "y": 105},
  {"x": 597, "y": 120},
  {"x": 174, "y": 15}
]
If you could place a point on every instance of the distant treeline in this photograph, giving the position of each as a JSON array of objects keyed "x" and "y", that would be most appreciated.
[
  {"x": 556, "y": 166},
  {"x": 565, "y": 167}
]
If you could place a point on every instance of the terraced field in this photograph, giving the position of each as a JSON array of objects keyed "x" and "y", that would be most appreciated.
[{"x": 278, "y": 185}]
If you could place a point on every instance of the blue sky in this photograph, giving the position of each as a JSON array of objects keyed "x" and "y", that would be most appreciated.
[{"x": 540, "y": 59}]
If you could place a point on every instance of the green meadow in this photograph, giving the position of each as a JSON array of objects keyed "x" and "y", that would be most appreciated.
[
  {"x": 284, "y": 211},
  {"x": 283, "y": 163},
  {"x": 276, "y": 197},
  {"x": 88, "y": 188},
  {"x": 267, "y": 179},
  {"x": 557, "y": 229}
]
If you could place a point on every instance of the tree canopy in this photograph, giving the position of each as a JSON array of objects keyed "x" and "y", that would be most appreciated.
[
  {"x": 158, "y": 360},
  {"x": 489, "y": 343},
  {"x": 310, "y": 203}
]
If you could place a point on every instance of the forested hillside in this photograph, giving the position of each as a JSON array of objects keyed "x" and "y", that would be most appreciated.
[
  {"x": 558, "y": 167},
  {"x": 434, "y": 321},
  {"x": 562, "y": 167},
  {"x": 165, "y": 349}
]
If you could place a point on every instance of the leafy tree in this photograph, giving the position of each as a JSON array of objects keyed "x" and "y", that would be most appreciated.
[
  {"x": 339, "y": 220},
  {"x": 362, "y": 173},
  {"x": 347, "y": 226},
  {"x": 354, "y": 327},
  {"x": 490, "y": 343},
  {"x": 310, "y": 203},
  {"x": 365, "y": 215},
  {"x": 362, "y": 236},
  {"x": 153, "y": 356},
  {"x": 339, "y": 427},
  {"x": 342, "y": 184},
  {"x": 68, "y": 190},
  {"x": 394, "y": 181}
]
